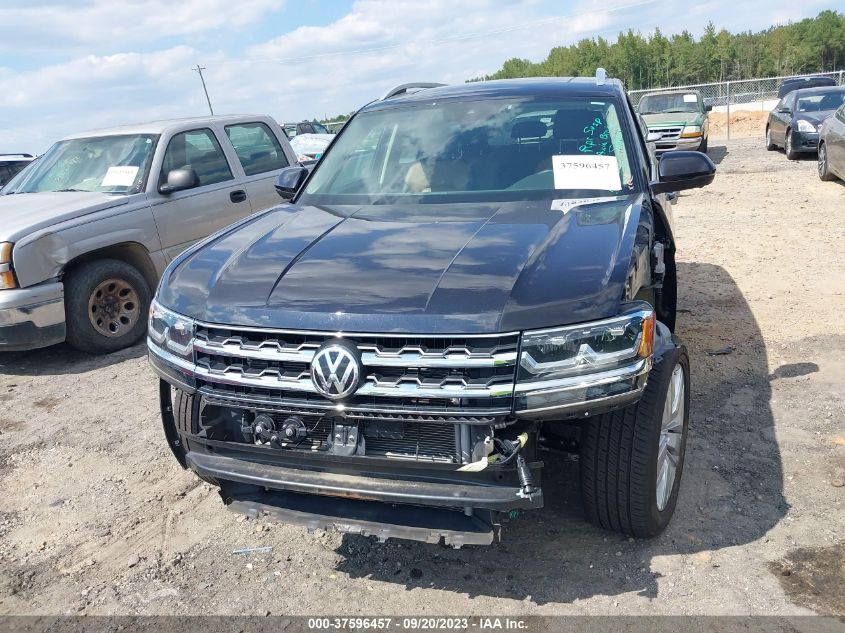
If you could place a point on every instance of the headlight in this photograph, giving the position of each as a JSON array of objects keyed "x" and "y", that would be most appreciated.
[
  {"x": 7, "y": 276},
  {"x": 573, "y": 365},
  {"x": 171, "y": 332},
  {"x": 691, "y": 131},
  {"x": 805, "y": 126}
]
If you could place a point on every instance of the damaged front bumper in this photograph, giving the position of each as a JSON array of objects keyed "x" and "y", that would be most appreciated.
[
  {"x": 419, "y": 467},
  {"x": 417, "y": 499}
]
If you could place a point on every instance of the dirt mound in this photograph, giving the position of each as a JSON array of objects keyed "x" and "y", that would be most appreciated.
[{"x": 743, "y": 123}]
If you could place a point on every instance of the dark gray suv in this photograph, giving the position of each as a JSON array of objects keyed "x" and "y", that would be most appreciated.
[{"x": 469, "y": 273}]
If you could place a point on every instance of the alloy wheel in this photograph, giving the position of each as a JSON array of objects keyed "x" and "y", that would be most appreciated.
[
  {"x": 114, "y": 308},
  {"x": 671, "y": 437}
]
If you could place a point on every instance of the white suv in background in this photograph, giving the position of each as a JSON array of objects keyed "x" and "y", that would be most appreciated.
[{"x": 11, "y": 164}]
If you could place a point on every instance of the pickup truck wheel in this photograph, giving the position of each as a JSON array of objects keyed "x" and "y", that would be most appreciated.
[
  {"x": 703, "y": 146},
  {"x": 106, "y": 303},
  {"x": 632, "y": 458}
]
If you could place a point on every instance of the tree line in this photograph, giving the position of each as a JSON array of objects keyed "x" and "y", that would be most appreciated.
[{"x": 811, "y": 45}]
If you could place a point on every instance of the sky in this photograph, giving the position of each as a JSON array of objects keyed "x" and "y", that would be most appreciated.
[{"x": 68, "y": 67}]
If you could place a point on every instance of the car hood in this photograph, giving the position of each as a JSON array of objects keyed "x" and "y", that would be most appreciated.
[
  {"x": 673, "y": 118},
  {"x": 25, "y": 213},
  {"x": 816, "y": 118},
  {"x": 424, "y": 269}
]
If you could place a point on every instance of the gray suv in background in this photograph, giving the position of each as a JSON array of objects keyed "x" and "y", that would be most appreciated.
[{"x": 86, "y": 232}]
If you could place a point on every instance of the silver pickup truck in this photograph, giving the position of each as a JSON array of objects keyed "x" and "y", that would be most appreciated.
[{"x": 87, "y": 229}]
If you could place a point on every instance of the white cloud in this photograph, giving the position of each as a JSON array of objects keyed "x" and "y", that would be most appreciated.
[
  {"x": 100, "y": 24},
  {"x": 39, "y": 106},
  {"x": 327, "y": 70}
]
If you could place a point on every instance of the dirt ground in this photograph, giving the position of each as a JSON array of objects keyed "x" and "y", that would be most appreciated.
[
  {"x": 97, "y": 517},
  {"x": 744, "y": 124}
]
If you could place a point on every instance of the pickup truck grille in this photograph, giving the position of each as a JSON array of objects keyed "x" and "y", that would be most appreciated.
[
  {"x": 669, "y": 133},
  {"x": 441, "y": 376}
]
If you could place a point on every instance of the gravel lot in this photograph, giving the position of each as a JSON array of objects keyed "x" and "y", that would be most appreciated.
[{"x": 97, "y": 518}]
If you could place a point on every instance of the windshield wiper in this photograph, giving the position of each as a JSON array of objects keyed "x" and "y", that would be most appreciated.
[{"x": 72, "y": 190}]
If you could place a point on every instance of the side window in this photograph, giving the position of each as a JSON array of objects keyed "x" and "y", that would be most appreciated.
[
  {"x": 257, "y": 148},
  {"x": 790, "y": 101},
  {"x": 200, "y": 151}
]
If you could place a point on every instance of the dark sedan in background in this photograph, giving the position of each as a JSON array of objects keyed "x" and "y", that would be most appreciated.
[
  {"x": 832, "y": 146},
  {"x": 794, "y": 122}
]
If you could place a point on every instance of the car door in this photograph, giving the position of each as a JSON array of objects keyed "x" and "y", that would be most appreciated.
[
  {"x": 835, "y": 141},
  {"x": 183, "y": 217},
  {"x": 781, "y": 119},
  {"x": 262, "y": 156}
]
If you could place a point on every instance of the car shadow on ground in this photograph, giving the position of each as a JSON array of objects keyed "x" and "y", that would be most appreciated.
[
  {"x": 717, "y": 153},
  {"x": 731, "y": 494},
  {"x": 62, "y": 359}
]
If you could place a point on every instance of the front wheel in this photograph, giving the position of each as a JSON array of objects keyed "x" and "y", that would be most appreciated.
[
  {"x": 631, "y": 459},
  {"x": 770, "y": 145},
  {"x": 703, "y": 146},
  {"x": 824, "y": 166},
  {"x": 791, "y": 154},
  {"x": 106, "y": 303}
]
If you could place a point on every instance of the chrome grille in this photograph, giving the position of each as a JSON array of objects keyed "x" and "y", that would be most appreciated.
[
  {"x": 422, "y": 373},
  {"x": 668, "y": 133}
]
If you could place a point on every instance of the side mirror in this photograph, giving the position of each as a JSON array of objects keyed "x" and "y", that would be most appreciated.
[
  {"x": 289, "y": 181},
  {"x": 708, "y": 108},
  {"x": 653, "y": 137},
  {"x": 681, "y": 170},
  {"x": 179, "y": 180}
]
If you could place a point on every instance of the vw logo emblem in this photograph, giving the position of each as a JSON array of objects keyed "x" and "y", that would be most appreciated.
[{"x": 335, "y": 371}]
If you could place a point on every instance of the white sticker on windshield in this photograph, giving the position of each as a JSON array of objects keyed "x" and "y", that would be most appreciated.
[
  {"x": 566, "y": 204},
  {"x": 690, "y": 98},
  {"x": 586, "y": 171},
  {"x": 120, "y": 176}
]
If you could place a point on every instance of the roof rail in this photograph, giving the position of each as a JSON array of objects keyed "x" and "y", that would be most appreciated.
[
  {"x": 404, "y": 88},
  {"x": 18, "y": 154}
]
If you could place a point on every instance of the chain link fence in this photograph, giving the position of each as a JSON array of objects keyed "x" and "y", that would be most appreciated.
[{"x": 747, "y": 94}]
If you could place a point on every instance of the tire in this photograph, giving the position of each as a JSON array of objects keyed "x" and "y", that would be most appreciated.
[
  {"x": 824, "y": 166},
  {"x": 184, "y": 413},
  {"x": 703, "y": 146},
  {"x": 770, "y": 145},
  {"x": 117, "y": 298},
  {"x": 619, "y": 458},
  {"x": 791, "y": 154}
]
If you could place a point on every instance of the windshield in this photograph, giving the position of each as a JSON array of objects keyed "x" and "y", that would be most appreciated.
[
  {"x": 319, "y": 128},
  {"x": 467, "y": 151},
  {"x": 680, "y": 102},
  {"x": 820, "y": 102},
  {"x": 108, "y": 164}
]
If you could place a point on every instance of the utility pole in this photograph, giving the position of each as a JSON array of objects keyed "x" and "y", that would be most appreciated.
[{"x": 199, "y": 69}]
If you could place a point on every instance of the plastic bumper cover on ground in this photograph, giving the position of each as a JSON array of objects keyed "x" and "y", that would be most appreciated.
[{"x": 31, "y": 318}]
